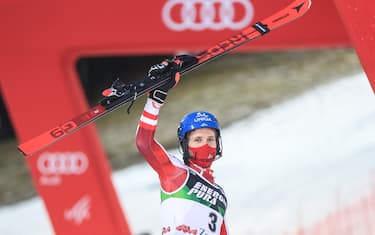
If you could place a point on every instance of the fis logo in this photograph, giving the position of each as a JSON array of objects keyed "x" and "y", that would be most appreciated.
[{"x": 80, "y": 211}]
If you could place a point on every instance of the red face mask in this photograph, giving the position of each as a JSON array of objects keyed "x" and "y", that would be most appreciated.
[{"x": 203, "y": 156}]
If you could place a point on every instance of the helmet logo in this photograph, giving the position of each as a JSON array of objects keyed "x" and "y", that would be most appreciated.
[
  {"x": 202, "y": 117},
  {"x": 196, "y": 120}
]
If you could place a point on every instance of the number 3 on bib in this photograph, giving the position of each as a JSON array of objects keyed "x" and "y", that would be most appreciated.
[{"x": 212, "y": 223}]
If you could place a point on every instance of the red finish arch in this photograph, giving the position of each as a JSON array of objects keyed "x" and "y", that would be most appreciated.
[{"x": 40, "y": 43}]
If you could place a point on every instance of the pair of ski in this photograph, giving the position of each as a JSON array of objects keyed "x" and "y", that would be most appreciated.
[{"x": 121, "y": 93}]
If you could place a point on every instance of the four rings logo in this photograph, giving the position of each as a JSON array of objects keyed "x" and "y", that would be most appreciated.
[
  {"x": 52, "y": 165},
  {"x": 206, "y": 14}
]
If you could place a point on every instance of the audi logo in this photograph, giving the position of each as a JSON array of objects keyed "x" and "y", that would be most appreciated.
[
  {"x": 206, "y": 14},
  {"x": 62, "y": 163}
]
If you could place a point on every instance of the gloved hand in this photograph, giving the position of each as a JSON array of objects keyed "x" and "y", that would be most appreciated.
[{"x": 167, "y": 68}]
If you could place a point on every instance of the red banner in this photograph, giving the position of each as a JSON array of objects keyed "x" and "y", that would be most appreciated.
[
  {"x": 358, "y": 16},
  {"x": 73, "y": 176}
]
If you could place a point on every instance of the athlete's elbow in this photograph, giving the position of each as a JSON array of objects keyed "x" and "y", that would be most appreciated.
[{"x": 142, "y": 144}]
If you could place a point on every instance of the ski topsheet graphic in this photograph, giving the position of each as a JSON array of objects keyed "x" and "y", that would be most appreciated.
[{"x": 121, "y": 93}]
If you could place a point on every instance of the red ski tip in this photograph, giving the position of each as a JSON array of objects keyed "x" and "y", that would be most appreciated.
[{"x": 107, "y": 92}]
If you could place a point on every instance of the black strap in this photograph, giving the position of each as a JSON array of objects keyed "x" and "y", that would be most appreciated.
[{"x": 261, "y": 28}]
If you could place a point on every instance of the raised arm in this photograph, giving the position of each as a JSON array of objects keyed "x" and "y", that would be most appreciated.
[
  {"x": 170, "y": 175},
  {"x": 152, "y": 151}
]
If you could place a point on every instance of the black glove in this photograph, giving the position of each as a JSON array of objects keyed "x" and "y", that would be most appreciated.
[{"x": 167, "y": 68}]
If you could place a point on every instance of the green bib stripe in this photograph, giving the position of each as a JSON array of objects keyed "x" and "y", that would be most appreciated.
[{"x": 199, "y": 190}]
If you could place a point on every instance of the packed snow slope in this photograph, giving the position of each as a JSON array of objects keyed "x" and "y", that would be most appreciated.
[{"x": 284, "y": 166}]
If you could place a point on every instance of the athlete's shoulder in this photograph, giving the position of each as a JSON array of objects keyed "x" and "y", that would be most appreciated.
[{"x": 176, "y": 161}]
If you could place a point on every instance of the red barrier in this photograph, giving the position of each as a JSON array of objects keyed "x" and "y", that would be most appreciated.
[
  {"x": 359, "y": 19},
  {"x": 356, "y": 218},
  {"x": 40, "y": 44}
]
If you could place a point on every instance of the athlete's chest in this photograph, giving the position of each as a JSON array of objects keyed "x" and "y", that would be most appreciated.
[{"x": 198, "y": 190}]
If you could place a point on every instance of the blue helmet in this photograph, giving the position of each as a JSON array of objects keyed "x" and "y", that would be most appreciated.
[{"x": 197, "y": 120}]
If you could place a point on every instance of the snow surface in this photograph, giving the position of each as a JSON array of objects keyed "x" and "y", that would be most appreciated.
[{"x": 284, "y": 166}]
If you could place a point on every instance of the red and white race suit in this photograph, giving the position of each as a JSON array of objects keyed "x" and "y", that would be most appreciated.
[{"x": 191, "y": 203}]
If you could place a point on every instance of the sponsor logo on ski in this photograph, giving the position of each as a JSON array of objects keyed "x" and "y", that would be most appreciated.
[
  {"x": 207, "y": 14},
  {"x": 80, "y": 211},
  {"x": 53, "y": 165},
  {"x": 226, "y": 45}
]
